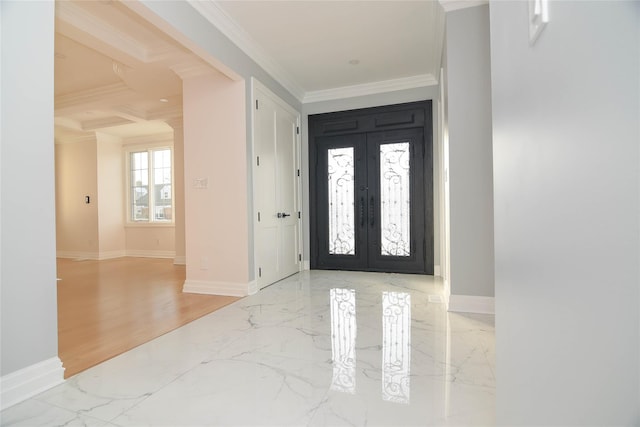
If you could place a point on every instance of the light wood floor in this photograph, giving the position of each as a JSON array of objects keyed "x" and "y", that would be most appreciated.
[{"x": 108, "y": 307}]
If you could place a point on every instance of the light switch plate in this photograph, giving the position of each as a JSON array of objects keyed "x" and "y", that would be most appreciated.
[{"x": 201, "y": 183}]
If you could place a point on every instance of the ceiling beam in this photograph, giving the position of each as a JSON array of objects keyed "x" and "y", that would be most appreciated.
[
  {"x": 96, "y": 124},
  {"x": 75, "y": 102}
]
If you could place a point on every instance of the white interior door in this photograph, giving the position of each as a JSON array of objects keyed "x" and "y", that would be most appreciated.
[{"x": 276, "y": 188}]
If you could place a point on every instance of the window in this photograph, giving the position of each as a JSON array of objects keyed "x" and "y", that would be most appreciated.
[{"x": 150, "y": 185}]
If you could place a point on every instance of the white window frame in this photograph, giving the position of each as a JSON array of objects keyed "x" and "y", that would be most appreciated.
[{"x": 149, "y": 148}]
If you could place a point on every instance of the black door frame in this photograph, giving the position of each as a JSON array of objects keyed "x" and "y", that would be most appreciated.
[{"x": 330, "y": 127}]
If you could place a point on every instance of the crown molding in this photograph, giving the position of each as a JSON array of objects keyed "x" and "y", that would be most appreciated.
[
  {"x": 413, "y": 82},
  {"x": 216, "y": 15},
  {"x": 80, "y": 98},
  {"x": 105, "y": 122},
  {"x": 191, "y": 69},
  {"x": 68, "y": 123},
  {"x": 70, "y": 13},
  {"x": 451, "y": 5},
  {"x": 159, "y": 138},
  {"x": 170, "y": 112},
  {"x": 130, "y": 113},
  {"x": 88, "y": 138}
]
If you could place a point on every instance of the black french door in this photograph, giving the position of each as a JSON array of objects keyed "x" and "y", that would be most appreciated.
[{"x": 369, "y": 201}]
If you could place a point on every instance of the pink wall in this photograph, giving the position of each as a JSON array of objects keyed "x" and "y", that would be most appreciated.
[
  {"x": 76, "y": 177},
  {"x": 110, "y": 196},
  {"x": 155, "y": 241},
  {"x": 97, "y": 230},
  {"x": 216, "y": 229}
]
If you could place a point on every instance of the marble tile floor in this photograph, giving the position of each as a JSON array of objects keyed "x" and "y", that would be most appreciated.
[{"x": 321, "y": 348}]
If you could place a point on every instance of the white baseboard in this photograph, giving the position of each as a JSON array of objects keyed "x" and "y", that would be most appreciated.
[
  {"x": 306, "y": 265},
  {"x": 180, "y": 260},
  {"x": 111, "y": 254},
  {"x": 471, "y": 304},
  {"x": 253, "y": 287},
  {"x": 78, "y": 255},
  {"x": 95, "y": 256},
  {"x": 136, "y": 253},
  {"x": 437, "y": 271},
  {"x": 217, "y": 288},
  {"x": 27, "y": 382}
]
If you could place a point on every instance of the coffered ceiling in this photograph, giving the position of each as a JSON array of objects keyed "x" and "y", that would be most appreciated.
[{"x": 115, "y": 73}]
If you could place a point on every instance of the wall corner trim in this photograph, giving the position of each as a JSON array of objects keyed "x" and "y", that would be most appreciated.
[
  {"x": 437, "y": 271},
  {"x": 210, "y": 287},
  {"x": 471, "y": 304},
  {"x": 253, "y": 287},
  {"x": 306, "y": 265},
  {"x": 27, "y": 382}
]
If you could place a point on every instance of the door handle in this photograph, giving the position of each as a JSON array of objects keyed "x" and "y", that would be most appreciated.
[
  {"x": 362, "y": 211},
  {"x": 283, "y": 215},
  {"x": 372, "y": 211}
]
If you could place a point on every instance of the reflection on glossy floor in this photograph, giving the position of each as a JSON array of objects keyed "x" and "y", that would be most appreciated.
[{"x": 321, "y": 348}]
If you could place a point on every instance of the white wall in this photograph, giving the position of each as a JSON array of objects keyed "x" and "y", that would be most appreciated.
[
  {"x": 28, "y": 282},
  {"x": 151, "y": 241},
  {"x": 470, "y": 177},
  {"x": 566, "y": 131}
]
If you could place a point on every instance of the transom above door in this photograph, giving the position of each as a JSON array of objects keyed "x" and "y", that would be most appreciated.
[{"x": 371, "y": 204}]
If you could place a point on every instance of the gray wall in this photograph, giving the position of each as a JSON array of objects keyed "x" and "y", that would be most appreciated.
[
  {"x": 566, "y": 117},
  {"x": 389, "y": 98},
  {"x": 27, "y": 216},
  {"x": 470, "y": 151},
  {"x": 194, "y": 26}
]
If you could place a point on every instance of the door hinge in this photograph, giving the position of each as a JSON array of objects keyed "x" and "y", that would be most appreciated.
[
  {"x": 258, "y": 216},
  {"x": 258, "y": 161},
  {"x": 299, "y": 257},
  {"x": 256, "y": 104},
  {"x": 298, "y": 214},
  {"x": 259, "y": 271},
  {"x": 297, "y": 130},
  {"x": 298, "y": 172}
]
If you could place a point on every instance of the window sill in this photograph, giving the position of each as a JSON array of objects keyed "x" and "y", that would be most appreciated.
[{"x": 149, "y": 224}]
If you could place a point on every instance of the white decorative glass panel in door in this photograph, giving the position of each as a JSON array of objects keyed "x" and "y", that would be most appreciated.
[
  {"x": 340, "y": 165},
  {"x": 395, "y": 199}
]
